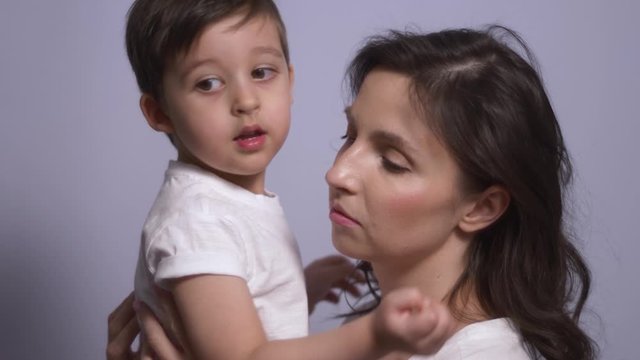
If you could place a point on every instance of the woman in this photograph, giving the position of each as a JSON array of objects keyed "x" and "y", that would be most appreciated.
[{"x": 452, "y": 180}]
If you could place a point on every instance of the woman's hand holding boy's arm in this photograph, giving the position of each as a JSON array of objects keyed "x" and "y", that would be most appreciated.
[
  {"x": 326, "y": 275},
  {"x": 122, "y": 331},
  {"x": 155, "y": 344}
]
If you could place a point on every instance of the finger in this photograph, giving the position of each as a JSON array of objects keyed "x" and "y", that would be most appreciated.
[
  {"x": 120, "y": 317},
  {"x": 331, "y": 297},
  {"x": 146, "y": 353},
  {"x": 358, "y": 276},
  {"x": 119, "y": 346},
  {"x": 407, "y": 313},
  {"x": 155, "y": 336},
  {"x": 444, "y": 328},
  {"x": 335, "y": 259},
  {"x": 347, "y": 286}
]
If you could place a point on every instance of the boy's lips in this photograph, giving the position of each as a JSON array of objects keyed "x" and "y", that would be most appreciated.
[{"x": 251, "y": 138}]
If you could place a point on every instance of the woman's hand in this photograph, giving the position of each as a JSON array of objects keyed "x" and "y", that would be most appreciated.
[
  {"x": 326, "y": 275},
  {"x": 156, "y": 343},
  {"x": 123, "y": 329},
  {"x": 131, "y": 318}
]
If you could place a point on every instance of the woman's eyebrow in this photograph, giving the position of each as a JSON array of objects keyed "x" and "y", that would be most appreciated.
[
  {"x": 393, "y": 140},
  {"x": 347, "y": 112},
  {"x": 384, "y": 137}
]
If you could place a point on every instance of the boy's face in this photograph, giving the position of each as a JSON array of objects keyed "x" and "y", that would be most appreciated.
[{"x": 228, "y": 100}]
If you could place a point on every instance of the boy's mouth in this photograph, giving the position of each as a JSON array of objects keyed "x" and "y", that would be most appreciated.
[
  {"x": 249, "y": 132},
  {"x": 251, "y": 138}
]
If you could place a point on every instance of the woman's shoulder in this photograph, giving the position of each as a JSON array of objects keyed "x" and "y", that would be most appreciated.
[{"x": 484, "y": 340}]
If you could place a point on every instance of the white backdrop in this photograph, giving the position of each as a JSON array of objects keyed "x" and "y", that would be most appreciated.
[{"x": 80, "y": 167}]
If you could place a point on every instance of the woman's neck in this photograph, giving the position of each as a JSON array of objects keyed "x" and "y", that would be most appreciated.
[{"x": 434, "y": 273}]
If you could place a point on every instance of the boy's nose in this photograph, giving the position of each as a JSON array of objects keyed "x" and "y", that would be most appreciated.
[{"x": 245, "y": 101}]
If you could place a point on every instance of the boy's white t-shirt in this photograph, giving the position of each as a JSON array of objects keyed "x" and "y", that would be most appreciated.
[
  {"x": 485, "y": 340},
  {"x": 203, "y": 224}
]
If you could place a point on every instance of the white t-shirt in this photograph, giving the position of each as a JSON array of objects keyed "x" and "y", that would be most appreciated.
[
  {"x": 203, "y": 224},
  {"x": 485, "y": 340}
]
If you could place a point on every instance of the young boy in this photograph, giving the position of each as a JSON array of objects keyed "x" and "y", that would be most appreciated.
[{"x": 215, "y": 77}]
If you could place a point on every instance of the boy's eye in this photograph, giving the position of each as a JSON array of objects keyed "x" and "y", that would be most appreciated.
[
  {"x": 210, "y": 84},
  {"x": 263, "y": 73}
]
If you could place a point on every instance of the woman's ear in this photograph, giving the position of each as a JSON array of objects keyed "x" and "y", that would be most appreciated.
[
  {"x": 486, "y": 208},
  {"x": 155, "y": 115}
]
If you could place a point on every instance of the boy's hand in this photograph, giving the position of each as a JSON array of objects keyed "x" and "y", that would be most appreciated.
[
  {"x": 406, "y": 320},
  {"x": 326, "y": 275}
]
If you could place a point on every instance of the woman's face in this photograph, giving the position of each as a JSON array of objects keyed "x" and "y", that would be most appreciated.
[{"x": 394, "y": 193}]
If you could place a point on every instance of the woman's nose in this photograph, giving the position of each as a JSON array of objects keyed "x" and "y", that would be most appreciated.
[{"x": 343, "y": 174}]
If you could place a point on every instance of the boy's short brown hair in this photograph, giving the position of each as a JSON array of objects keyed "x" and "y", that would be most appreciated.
[{"x": 159, "y": 30}]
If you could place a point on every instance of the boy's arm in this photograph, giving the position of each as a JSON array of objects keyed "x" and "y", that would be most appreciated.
[{"x": 221, "y": 322}]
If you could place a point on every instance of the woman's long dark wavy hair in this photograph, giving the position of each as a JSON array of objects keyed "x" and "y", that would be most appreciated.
[{"x": 489, "y": 108}]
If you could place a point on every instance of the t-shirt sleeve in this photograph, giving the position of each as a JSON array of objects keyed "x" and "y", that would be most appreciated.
[{"x": 193, "y": 243}]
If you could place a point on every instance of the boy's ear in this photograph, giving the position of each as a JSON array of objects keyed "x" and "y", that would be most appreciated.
[
  {"x": 156, "y": 117},
  {"x": 291, "y": 81},
  {"x": 485, "y": 209}
]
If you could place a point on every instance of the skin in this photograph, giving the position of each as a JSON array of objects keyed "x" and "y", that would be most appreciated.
[
  {"x": 395, "y": 194},
  {"x": 227, "y": 106},
  {"x": 231, "y": 83},
  {"x": 395, "y": 197},
  {"x": 405, "y": 214}
]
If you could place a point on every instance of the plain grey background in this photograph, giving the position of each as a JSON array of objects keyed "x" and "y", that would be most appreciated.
[{"x": 80, "y": 166}]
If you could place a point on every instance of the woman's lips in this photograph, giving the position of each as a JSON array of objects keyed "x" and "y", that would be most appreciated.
[{"x": 340, "y": 217}]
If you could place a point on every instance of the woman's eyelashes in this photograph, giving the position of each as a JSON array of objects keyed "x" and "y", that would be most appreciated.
[
  {"x": 391, "y": 161},
  {"x": 348, "y": 138},
  {"x": 393, "y": 167}
]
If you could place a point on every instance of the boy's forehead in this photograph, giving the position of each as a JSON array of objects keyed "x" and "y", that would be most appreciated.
[
  {"x": 255, "y": 36},
  {"x": 252, "y": 31}
]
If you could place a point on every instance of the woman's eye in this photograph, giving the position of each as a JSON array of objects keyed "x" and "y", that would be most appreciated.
[
  {"x": 263, "y": 73},
  {"x": 393, "y": 167},
  {"x": 347, "y": 138},
  {"x": 209, "y": 85}
]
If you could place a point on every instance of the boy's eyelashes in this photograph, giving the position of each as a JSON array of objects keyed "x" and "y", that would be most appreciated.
[
  {"x": 212, "y": 84},
  {"x": 264, "y": 73},
  {"x": 209, "y": 84}
]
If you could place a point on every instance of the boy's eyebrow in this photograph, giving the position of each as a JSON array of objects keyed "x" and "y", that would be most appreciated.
[
  {"x": 267, "y": 50},
  {"x": 257, "y": 50},
  {"x": 196, "y": 64}
]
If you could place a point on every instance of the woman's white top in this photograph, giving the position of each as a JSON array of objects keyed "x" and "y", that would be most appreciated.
[{"x": 485, "y": 340}]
